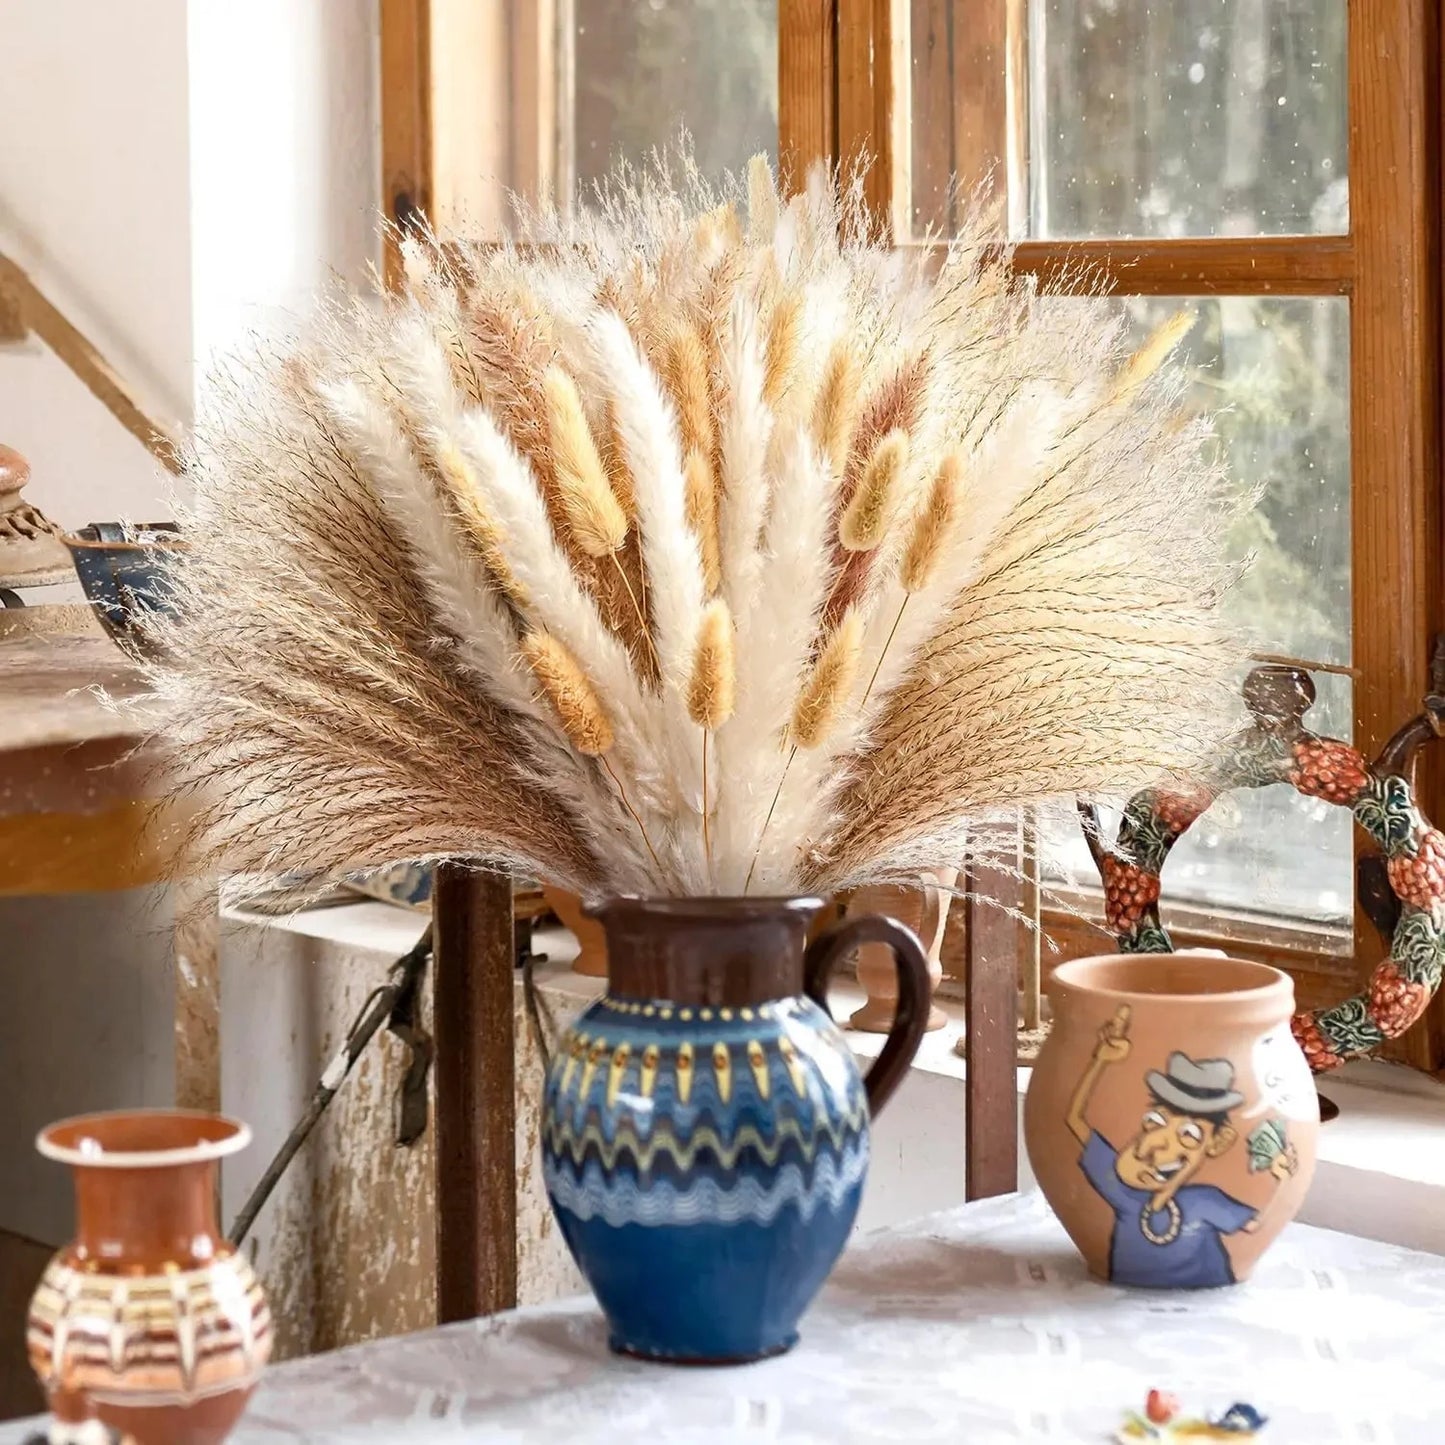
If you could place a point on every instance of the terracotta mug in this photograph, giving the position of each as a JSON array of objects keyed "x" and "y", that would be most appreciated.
[
  {"x": 149, "y": 1321},
  {"x": 1171, "y": 1118}
]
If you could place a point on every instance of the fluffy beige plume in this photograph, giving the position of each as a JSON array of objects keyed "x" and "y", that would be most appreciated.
[
  {"x": 712, "y": 688},
  {"x": 572, "y": 696},
  {"x": 835, "y": 413},
  {"x": 1155, "y": 351},
  {"x": 825, "y": 691},
  {"x": 785, "y": 327},
  {"x": 701, "y": 495},
  {"x": 874, "y": 504},
  {"x": 686, "y": 371},
  {"x": 596, "y": 520},
  {"x": 711, "y": 694},
  {"x": 465, "y": 500},
  {"x": 614, "y": 463},
  {"x": 741, "y": 476},
  {"x": 895, "y": 405},
  {"x": 932, "y": 527},
  {"x": 762, "y": 201}
]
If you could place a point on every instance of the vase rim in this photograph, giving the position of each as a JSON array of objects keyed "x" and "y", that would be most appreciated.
[
  {"x": 1240, "y": 980},
  {"x": 79, "y": 1140}
]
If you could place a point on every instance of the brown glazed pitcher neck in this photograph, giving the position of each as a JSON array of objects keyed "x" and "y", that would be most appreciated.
[
  {"x": 718, "y": 952},
  {"x": 148, "y": 1217}
]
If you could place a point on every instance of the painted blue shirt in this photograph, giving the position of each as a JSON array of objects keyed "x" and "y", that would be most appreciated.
[{"x": 1195, "y": 1259}]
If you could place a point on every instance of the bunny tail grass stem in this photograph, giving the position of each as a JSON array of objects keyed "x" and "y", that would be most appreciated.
[
  {"x": 712, "y": 692},
  {"x": 878, "y": 666},
  {"x": 706, "y": 809},
  {"x": 637, "y": 608},
  {"x": 622, "y": 793},
  {"x": 931, "y": 534},
  {"x": 772, "y": 808}
]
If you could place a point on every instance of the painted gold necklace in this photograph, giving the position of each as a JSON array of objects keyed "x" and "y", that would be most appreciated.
[{"x": 1170, "y": 1234}]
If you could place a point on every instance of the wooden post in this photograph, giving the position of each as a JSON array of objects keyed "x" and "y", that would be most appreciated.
[
  {"x": 476, "y": 1182},
  {"x": 807, "y": 86},
  {"x": 991, "y": 1042},
  {"x": 873, "y": 105},
  {"x": 406, "y": 119}
]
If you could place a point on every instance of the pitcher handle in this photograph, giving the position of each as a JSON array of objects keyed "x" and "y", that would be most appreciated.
[{"x": 910, "y": 1019}]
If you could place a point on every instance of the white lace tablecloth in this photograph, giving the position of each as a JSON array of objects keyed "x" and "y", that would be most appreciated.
[{"x": 970, "y": 1327}]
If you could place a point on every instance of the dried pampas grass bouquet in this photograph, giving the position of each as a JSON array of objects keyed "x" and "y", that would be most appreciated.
[{"x": 698, "y": 544}]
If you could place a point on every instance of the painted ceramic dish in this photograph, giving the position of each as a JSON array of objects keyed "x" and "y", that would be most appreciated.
[{"x": 122, "y": 569}]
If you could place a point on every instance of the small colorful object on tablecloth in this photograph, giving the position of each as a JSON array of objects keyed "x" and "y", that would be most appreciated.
[
  {"x": 1163, "y": 1421},
  {"x": 84, "y": 1432}
]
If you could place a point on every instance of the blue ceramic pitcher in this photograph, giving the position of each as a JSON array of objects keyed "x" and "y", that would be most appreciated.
[{"x": 705, "y": 1127}]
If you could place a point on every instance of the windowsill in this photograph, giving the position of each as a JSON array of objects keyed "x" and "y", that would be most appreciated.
[
  {"x": 1073, "y": 909},
  {"x": 1381, "y": 1170}
]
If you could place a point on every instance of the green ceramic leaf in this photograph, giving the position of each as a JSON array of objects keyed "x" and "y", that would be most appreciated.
[
  {"x": 1387, "y": 813},
  {"x": 1349, "y": 1029},
  {"x": 1418, "y": 948},
  {"x": 1266, "y": 1143}
]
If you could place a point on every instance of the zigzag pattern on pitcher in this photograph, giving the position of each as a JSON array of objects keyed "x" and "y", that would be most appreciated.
[
  {"x": 613, "y": 1140},
  {"x": 706, "y": 1199}
]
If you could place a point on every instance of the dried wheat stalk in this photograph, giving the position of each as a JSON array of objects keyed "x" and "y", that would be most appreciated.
[{"x": 695, "y": 544}]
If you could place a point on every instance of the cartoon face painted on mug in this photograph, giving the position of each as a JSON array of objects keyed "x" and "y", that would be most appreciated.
[{"x": 1170, "y": 1149}]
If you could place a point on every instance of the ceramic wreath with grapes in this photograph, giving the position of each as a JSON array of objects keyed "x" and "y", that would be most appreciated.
[{"x": 1325, "y": 768}]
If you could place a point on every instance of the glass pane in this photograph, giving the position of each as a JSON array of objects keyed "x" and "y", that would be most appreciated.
[
  {"x": 1266, "y": 851},
  {"x": 1122, "y": 118},
  {"x": 1276, "y": 372},
  {"x": 1195, "y": 118},
  {"x": 646, "y": 69}
]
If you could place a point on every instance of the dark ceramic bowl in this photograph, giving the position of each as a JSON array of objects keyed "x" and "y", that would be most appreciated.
[{"x": 122, "y": 569}]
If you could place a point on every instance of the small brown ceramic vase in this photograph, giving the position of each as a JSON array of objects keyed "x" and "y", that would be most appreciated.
[
  {"x": 149, "y": 1321},
  {"x": 925, "y": 911},
  {"x": 591, "y": 960},
  {"x": 1171, "y": 1119}
]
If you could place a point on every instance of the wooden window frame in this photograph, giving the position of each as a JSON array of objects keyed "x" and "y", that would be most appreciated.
[
  {"x": 1388, "y": 267},
  {"x": 844, "y": 95}
]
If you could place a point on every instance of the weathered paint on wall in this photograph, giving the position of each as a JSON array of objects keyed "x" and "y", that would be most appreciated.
[{"x": 347, "y": 1246}]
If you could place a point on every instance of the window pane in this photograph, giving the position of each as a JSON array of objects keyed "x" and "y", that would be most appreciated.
[
  {"x": 645, "y": 69},
  {"x": 1121, "y": 118},
  {"x": 1195, "y": 118},
  {"x": 1266, "y": 851},
  {"x": 1276, "y": 373}
]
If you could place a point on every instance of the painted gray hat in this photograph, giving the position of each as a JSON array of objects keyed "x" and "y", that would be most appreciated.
[{"x": 1203, "y": 1088}]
